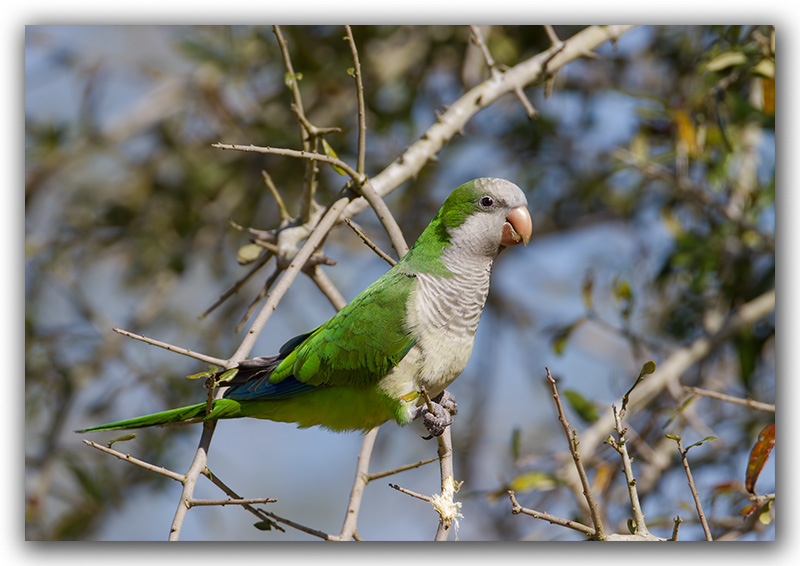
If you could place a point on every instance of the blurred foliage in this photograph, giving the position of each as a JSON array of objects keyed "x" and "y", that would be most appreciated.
[{"x": 127, "y": 210}]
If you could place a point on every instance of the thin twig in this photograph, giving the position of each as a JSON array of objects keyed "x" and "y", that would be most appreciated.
[
  {"x": 516, "y": 509},
  {"x": 300, "y": 154},
  {"x": 307, "y": 135},
  {"x": 496, "y": 71},
  {"x": 141, "y": 463},
  {"x": 285, "y": 216},
  {"x": 676, "y": 364},
  {"x": 411, "y": 493},
  {"x": 260, "y": 513},
  {"x": 362, "y": 118},
  {"x": 693, "y": 489},
  {"x": 385, "y": 216},
  {"x": 620, "y": 445},
  {"x": 445, "y": 453},
  {"x": 364, "y": 238},
  {"x": 327, "y": 287},
  {"x": 576, "y": 458},
  {"x": 477, "y": 38},
  {"x": 228, "y": 501},
  {"x": 379, "y": 475},
  {"x": 731, "y": 399},
  {"x": 171, "y": 348},
  {"x": 261, "y": 294},
  {"x": 677, "y": 520},
  {"x": 349, "y": 525},
  {"x": 198, "y": 465},
  {"x": 551, "y": 33},
  {"x": 453, "y": 121},
  {"x": 232, "y": 290}
]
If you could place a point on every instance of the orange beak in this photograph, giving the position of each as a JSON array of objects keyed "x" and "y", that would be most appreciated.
[{"x": 518, "y": 227}]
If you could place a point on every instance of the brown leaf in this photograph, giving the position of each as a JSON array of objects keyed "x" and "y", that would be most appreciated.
[{"x": 759, "y": 456}]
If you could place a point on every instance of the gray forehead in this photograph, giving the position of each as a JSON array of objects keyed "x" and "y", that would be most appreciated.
[{"x": 502, "y": 189}]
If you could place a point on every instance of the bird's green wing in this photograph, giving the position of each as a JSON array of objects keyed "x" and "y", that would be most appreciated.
[{"x": 360, "y": 343}]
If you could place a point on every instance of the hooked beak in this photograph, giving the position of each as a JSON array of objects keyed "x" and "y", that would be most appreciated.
[{"x": 518, "y": 227}]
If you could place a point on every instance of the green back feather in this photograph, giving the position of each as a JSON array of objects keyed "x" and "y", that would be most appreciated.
[{"x": 360, "y": 343}]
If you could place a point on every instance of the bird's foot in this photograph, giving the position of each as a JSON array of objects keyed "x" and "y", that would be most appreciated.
[
  {"x": 439, "y": 416},
  {"x": 448, "y": 401}
]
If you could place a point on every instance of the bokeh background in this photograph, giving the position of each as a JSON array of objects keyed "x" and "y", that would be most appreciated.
[{"x": 650, "y": 174}]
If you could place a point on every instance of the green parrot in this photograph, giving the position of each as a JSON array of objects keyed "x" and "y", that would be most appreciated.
[{"x": 413, "y": 327}]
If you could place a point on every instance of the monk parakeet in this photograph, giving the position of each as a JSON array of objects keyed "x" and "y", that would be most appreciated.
[{"x": 413, "y": 327}]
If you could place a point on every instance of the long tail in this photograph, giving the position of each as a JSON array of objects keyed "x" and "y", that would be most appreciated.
[{"x": 223, "y": 408}]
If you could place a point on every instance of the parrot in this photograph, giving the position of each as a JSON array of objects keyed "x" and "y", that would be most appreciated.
[{"x": 413, "y": 328}]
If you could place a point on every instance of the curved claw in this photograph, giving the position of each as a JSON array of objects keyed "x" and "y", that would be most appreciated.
[{"x": 436, "y": 421}]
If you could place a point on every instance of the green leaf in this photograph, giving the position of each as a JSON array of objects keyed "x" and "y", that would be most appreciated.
[
  {"x": 289, "y": 78},
  {"x": 699, "y": 442},
  {"x": 228, "y": 375},
  {"x": 586, "y": 290},
  {"x": 248, "y": 253},
  {"x": 624, "y": 295},
  {"x": 560, "y": 337},
  {"x": 121, "y": 439},
  {"x": 264, "y": 525},
  {"x": 204, "y": 374},
  {"x": 330, "y": 153},
  {"x": 585, "y": 409},
  {"x": 725, "y": 60},
  {"x": 759, "y": 456},
  {"x": 351, "y": 71},
  {"x": 528, "y": 481},
  {"x": 763, "y": 515},
  {"x": 647, "y": 369},
  {"x": 516, "y": 439}
]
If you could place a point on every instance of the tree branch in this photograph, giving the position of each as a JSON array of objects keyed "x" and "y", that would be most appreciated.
[
  {"x": 576, "y": 458},
  {"x": 171, "y": 348}
]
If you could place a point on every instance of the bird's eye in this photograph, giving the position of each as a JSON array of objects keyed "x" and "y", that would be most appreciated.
[{"x": 487, "y": 201}]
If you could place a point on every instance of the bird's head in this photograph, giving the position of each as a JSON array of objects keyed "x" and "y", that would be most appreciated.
[{"x": 484, "y": 215}]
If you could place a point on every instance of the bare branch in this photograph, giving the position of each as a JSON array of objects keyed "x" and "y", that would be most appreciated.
[
  {"x": 693, "y": 489},
  {"x": 620, "y": 445},
  {"x": 171, "y": 348},
  {"x": 364, "y": 238},
  {"x": 228, "y": 501},
  {"x": 285, "y": 216},
  {"x": 300, "y": 154},
  {"x": 326, "y": 286},
  {"x": 671, "y": 369},
  {"x": 386, "y": 218},
  {"x": 141, "y": 463},
  {"x": 260, "y": 262},
  {"x": 731, "y": 399},
  {"x": 379, "y": 475},
  {"x": 677, "y": 526},
  {"x": 261, "y": 294},
  {"x": 445, "y": 452},
  {"x": 451, "y": 122},
  {"x": 362, "y": 118},
  {"x": 359, "y": 484},
  {"x": 576, "y": 458},
  {"x": 308, "y": 140},
  {"x": 411, "y": 493},
  {"x": 516, "y": 509},
  {"x": 197, "y": 467}
]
